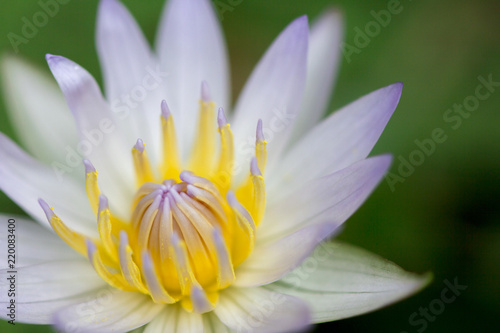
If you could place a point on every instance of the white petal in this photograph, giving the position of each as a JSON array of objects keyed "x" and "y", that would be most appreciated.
[
  {"x": 37, "y": 110},
  {"x": 340, "y": 281},
  {"x": 212, "y": 324},
  {"x": 322, "y": 66},
  {"x": 113, "y": 310},
  {"x": 106, "y": 145},
  {"x": 272, "y": 93},
  {"x": 134, "y": 85},
  {"x": 331, "y": 199},
  {"x": 261, "y": 310},
  {"x": 174, "y": 319},
  {"x": 345, "y": 137},
  {"x": 191, "y": 49},
  {"x": 271, "y": 260},
  {"x": 26, "y": 180},
  {"x": 45, "y": 288},
  {"x": 48, "y": 274}
]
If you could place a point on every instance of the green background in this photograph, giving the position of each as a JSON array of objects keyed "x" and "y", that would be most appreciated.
[{"x": 443, "y": 218}]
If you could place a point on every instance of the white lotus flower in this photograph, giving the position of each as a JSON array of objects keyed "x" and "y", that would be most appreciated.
[{"x": 184, "y": 236}]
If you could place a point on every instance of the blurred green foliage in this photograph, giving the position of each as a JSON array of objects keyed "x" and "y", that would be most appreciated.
[{"x": 445, "y": 216}]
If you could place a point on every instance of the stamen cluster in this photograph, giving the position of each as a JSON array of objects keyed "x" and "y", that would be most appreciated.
[{"x": 188, "y": 230}]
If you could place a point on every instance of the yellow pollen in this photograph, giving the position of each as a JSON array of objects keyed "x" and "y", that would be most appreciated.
[{"x": 189, "y": 228}]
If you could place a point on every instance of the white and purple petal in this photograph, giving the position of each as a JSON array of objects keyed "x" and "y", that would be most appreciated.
[
  {"x": 37, "y": 111},
  {"x": 340, "y": 281},
  {"x": 271, "y": 260},
  {"x": 345, "y": 137},
  {"x": 134, "y": 83},
  {"x": 260, "y": 310},
  {"x": 329, "y": 199},
  {"x": 273, "y": 93},
  {"x": 25, "y": 180},
  {"x": 111, "y": 310},
  {"x": 322, "y": 66}
]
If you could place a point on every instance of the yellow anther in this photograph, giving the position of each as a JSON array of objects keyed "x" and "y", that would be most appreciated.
[
  {"x": 91, "y": 186},
  {"x": 244, "y": 233},
  {"x": 141, "y": 163},
  {"x": 202, "y": 158},
  {"x": 252, "y": 192},
  {"x": 179, "y": 254},
  {"x": 170, "y": 167},
  {"x": 225, "y": 274},
  {"x": 72, "y": 238},
  {"x": 153, "y": 283},
  {"x": 199, "y": 300},
  {"x": 104, "y": 227},
  {"x": 259, "y": 201},
  {"x": 261, "y": 148},
  {"x": 224, "y": 172},
  {"x": 130, "y": 271},
  {"x": 114, "y": 279}
]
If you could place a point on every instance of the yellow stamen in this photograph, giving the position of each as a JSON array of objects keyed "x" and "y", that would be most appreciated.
[
  {"x": 141, "y": 163},
  {"x": 225, "y": 274},
  {"x": 261, "y": 148},
  {"x": 104, "y": 227},
  {"x": 114, "y": 279},
  {"x": 244, "y": 234},
  {"x": 202, "y": 160},
  {"x": 158, "y": 293},
  {"x": 252, "y": 193},
  {"x": 72, "y": 238},
  {"x": 200, "y": 300},
  {"x": 225, "y": 168},
  {"x": 91, "y": 186},
  {"x": 259, "y": 201},
  {"x": 188, "y": 230},
  {"x": 130, "y": 271},
  {"x": 170, "y": 167},
  {"x": 178, "y": 250}
]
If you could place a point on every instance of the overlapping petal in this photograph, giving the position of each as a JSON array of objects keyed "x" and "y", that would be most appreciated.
[
  {"x": 341, "y": 281},
  {"x": 271, "y": 260},
  {"x": 45, "y": 128},
  {"x": 134, "y": 84},
  {"x": 212, "y": 324},
  {"x": 345, "y": 137},
  {"x": 176, "y": 320},
  {"x": 25, "y": 180},
  {"x": 103, "y": 139},
  {"x": 111, "y": 310},
  {"x": 260, "y": 310},
  {"x": 273, "y": 93},
  {"x": 46, "y": 271},
  {"x": 330, "y": 199},
  {"x": 323, "y": 60}
]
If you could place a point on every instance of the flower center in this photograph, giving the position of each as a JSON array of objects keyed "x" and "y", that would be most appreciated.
[
  {"x": 184, "y": 230},
  {"x": 188, "y": 230}
]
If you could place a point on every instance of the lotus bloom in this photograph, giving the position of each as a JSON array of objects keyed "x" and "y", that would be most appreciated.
[{"x": 154, "y": 213}]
